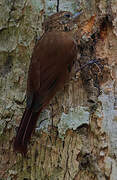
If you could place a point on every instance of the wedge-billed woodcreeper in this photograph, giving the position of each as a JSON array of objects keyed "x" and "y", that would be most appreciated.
[{"x": 52, "y": 56}]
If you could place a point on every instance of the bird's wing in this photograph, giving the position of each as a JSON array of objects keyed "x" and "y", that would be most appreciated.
[{"x": 48, "y": 66}]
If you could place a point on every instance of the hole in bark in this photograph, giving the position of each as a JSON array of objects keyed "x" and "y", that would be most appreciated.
[
  {"x": 91, "y": 101},
  {"x": 83, "y": 126},
  {"x": 6, "y": 68}
]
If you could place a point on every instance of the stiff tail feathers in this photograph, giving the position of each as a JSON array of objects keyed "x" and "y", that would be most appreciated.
[{"x": 26, "y": 127}]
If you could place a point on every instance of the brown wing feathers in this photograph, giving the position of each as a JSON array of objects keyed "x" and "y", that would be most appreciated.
[{"x": 52, "y": 55}]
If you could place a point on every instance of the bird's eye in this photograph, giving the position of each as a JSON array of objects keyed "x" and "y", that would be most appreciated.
[{"x": 67, "y": 15}]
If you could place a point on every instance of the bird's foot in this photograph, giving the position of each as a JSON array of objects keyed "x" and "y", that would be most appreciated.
[{"x": 95, "y": 62}]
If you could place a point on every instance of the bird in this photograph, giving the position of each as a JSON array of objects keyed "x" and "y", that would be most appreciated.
[{"x": 51, "y": 62}]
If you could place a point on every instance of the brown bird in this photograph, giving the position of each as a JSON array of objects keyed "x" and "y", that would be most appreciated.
[{"x": 51, "y": 61}]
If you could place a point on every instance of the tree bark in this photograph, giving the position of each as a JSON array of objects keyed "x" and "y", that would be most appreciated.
[{"x": 76, "y": 137}]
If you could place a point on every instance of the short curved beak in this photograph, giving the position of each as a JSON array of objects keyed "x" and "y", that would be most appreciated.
[{"x": 76, "y": 16}]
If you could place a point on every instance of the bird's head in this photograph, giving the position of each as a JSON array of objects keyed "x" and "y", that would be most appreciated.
[{"x": 61, "y": 21}]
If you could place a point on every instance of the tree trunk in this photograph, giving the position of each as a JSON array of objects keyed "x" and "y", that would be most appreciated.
[{"x": 76, "y": 137}]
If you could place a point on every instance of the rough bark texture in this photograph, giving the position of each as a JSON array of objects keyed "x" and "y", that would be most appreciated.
[{"x": 76, "y": 135}]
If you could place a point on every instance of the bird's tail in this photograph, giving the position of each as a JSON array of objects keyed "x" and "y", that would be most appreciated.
[{"x": 26, "y": 127}]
